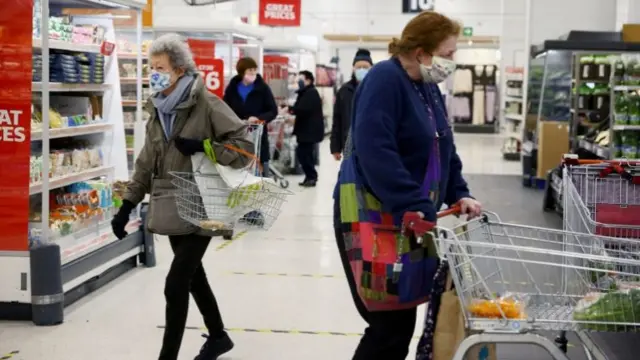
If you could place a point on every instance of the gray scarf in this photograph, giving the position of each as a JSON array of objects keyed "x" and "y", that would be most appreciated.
[{"x": 166, "y": 104}]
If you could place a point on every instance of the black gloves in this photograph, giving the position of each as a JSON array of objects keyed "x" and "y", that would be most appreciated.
[
  {"x": 121, "y": 219},
  {"x": 189, "y": 147}
]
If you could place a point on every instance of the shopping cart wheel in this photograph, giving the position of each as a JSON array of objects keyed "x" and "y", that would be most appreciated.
[
  {"x": 284, "y": 183},
  {"x": 227, "y": 235}
]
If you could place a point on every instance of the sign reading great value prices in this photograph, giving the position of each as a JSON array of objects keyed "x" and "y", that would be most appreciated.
[
  {"x": 279, "y": 12},
  {"x": 212, "y": 72},
  {"x": 417, "y": 6},
  {"x": 15, "y": 123}
]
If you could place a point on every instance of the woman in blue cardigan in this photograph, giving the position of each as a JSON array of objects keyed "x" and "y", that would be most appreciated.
[{"x": 401, "y": 158}]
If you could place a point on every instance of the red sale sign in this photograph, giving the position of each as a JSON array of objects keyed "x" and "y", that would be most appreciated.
[
  {"x": 212, "y": 72},
  {"x": 279, "y": 12},
  {"x": 15, "y": 123},
  {"x": 210, "y": 68}
]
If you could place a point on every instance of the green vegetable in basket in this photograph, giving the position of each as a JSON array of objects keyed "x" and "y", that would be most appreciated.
[{"x": 614, "y": 307}]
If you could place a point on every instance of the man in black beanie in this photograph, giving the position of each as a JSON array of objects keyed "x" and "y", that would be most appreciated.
[{"x": 342, "y": 107}]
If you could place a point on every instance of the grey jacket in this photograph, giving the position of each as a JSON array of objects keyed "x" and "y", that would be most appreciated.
[{"x": 201, "y": 116}]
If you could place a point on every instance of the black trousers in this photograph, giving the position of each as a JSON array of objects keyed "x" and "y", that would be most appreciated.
[
  {"x": 389, "y": 333},
  {"x": 186, "y": 275},
  {"x": 305, "y": 153}
]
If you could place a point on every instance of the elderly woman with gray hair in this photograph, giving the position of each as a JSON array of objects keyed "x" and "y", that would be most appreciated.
[{"x": 183, "y": 115}]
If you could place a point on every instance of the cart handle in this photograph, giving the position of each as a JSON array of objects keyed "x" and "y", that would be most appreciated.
[
  {"x": 572, "y": 159},
  {"x": 619, "y": 167},
  {"x": 454, "y": 210}
]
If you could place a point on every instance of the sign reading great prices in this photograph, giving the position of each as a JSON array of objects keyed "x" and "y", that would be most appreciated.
[
  {"x": 417, "y": 6},
  {"x": 212, "y": 72},
  {"x": 15, "y": 123},
  {"x": 279, "y": 12}
]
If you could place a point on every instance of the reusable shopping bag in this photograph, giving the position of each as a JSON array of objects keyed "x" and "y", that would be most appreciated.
[
  {"x": 392, "y": 271},
  {"x": 444, "y": 325},
  {"x": 233, "y": 188}
]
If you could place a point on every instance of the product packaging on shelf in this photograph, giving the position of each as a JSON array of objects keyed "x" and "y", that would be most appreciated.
[{"x": 79, "y": 207}]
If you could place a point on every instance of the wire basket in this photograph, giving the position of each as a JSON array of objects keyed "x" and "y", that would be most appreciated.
[{"x": 206, "y": 201}]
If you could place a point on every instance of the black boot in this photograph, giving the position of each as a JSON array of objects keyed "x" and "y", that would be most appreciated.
[{"x": 213, "y": 348}]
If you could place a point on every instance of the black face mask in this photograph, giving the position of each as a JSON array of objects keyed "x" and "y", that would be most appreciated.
[{"x": 301, "y": 84}]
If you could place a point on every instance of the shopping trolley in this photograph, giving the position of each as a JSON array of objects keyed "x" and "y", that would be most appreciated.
[
  {"x": 276, "y": 139},
  {"x": 601, "y": 197},
  {"x": 514, "y": 280}
]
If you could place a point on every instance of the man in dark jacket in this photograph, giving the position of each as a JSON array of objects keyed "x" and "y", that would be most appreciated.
[
  {"x": 251, "y": 99},
  {"x": 309, "y": 126},
  {"x": 344, "y": 100}
]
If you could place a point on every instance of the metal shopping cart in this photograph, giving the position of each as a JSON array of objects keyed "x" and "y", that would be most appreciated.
[
  {"x": 513, "y": 281},
  {"x": 602, "y": 197},
  {"x": 276, "y": 143}
]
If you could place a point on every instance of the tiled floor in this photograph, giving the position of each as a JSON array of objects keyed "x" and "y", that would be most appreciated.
[{"x": 289, "y": 279}]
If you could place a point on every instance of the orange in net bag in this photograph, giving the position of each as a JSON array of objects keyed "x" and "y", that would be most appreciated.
[{"x": 511, "y": 308}]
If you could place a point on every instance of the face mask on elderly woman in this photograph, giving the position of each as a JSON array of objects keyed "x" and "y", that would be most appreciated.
[{"x": 439, "y": 70}]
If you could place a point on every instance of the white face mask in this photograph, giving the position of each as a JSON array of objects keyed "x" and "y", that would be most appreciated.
[
  {"x": 439, "y": 70},
  {"x": 250, "y": 78},
  {"x": 159, "y": 81}
]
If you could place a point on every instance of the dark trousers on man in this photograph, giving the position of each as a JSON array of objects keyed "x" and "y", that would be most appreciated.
[
  {"x": 305, "y": 154},
  {"x": 186, "y": 275},
  {"x": 389, "y": 334}
]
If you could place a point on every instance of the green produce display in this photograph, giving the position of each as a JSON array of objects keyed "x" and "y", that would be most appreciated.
[
  {"x": 614, "y": 307},
  {"x": 633, "y": 109},
  {"x": 629, "y": 143},
  {"x": 621, "y": 108}
]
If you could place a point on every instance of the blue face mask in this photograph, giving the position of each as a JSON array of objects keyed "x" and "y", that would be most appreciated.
[
  {"x": 360, "y": 74},
  {"x": 301, "y": 84},
  {"x": 159, "y": 81}
]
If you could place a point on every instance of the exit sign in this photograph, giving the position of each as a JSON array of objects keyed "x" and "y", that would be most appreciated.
[{"x": 467, "y": 31}]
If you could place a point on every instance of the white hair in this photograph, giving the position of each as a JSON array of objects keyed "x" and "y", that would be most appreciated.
[{"x": 177, "y": 49}]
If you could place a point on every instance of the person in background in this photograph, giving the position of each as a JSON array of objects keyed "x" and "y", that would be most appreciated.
[
  {"x": 251, "y": 99},
  {"x": 184, "y": 116},
  {"x": 402, "y": 160},
  {"x": 309, "y": 126},
  {"x": 344, "y": 100}
]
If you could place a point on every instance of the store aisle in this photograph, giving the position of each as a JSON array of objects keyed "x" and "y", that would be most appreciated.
[{"x": 274, "y": 288}]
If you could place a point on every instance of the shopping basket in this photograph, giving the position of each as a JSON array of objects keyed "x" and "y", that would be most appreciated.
[
  {"x": 602, "y": 197},
  {"x": 514, "y": 280},
  {"x": 207, "y": 200}
]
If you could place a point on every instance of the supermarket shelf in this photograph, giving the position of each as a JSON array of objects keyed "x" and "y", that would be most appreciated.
[
  {"x": 626, "y": 127},
  {"x": 516, "y": 117},
  {"x": 513, "y": 99},
  {"x": 65, "y": 45},
  {"x": 83, "y": 242},
  {"x": 60, "y": 87},
  {"x": 73, "y": 131},
  {"x": 626, "y": 87},
  {"x": 132, "y": 80},
  {"x": 131, "y": 56},
  {"x": 129, "y": 103},
  {"x": 55, "y": 183}
]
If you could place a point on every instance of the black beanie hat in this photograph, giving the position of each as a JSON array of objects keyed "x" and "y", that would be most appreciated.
[{"x": 363, "y": 55}]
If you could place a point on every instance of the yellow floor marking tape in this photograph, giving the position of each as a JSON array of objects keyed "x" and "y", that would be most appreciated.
[
  {"x": 315, "y": 276},
  {"x": 9, "y": 355},
  {"x": 278, "y": 331},
  {"x": 228, "y": 242}
]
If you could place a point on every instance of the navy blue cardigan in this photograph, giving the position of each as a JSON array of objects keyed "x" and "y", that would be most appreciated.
[{"x": 393, "y": 140}]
